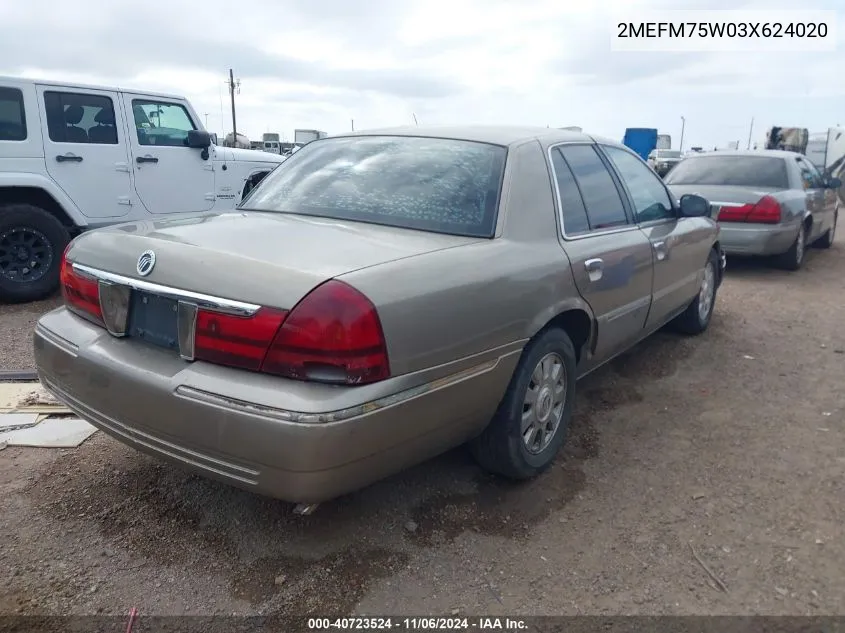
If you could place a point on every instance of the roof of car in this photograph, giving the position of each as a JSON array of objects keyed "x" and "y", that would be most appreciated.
[
  {"x": 494, "y": 134},
  {"x": 67, "y": 84},
  {"x": 771, "y": 153}
]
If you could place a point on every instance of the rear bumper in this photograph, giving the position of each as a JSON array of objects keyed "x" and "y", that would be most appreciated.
[
  {"x": 739, "y": 239},
  {"x": 295, "y": 441}
]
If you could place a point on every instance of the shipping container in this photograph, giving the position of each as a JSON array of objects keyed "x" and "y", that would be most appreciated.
[{"x": 641, "y": 140}]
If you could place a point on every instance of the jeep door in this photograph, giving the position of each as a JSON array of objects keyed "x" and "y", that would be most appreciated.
[
  {"x": 680, "y": 246},
  {"x": 610, "y": 257},
  {"x": 85, "y": 149},
  {"x": 170, "y": 177}
]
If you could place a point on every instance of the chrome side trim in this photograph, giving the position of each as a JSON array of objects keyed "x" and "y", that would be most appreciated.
[
  {"x": 299, "y": 417},
  {"x": 202, "y": 300}
]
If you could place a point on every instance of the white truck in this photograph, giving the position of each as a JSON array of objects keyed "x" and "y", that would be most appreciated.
[
  {"x": 75, "y": 158},
  {"x": 825, "y": 150},
  {"x": 303, "y": 137}
]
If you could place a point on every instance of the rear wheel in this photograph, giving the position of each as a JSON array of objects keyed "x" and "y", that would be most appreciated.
[
  {"x": 794, "y": 257},
  {"x": 531, "y": 422},
  {"x": 826, "y": 240},
  {"x": 696, "y": 318},
  {"x": 31, "y": 245}
]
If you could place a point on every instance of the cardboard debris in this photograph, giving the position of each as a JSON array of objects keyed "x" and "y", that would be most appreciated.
[
  {"x": 31, "y": 416},
  {"x": 22, "y": 397},
  {"x": 51, "y": 433}
]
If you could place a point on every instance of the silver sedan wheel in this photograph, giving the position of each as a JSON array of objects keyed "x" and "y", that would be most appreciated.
[
  {"x": 542, "y": 407},
  {"x": 707, "y": 292}
]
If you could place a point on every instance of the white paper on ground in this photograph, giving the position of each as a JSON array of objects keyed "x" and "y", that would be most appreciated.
[
  {"x": 51, "y": 433},
  {"x": 12, "y": 421}
]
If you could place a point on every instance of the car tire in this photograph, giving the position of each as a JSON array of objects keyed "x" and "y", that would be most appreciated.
[
  {"x": 503, "y": 447},
  {"x": 695, "y": 319},
  {"x": 28, "y": 230},
  {"x": 793, "y": 259},
  {"x": 826, "y": 240}
]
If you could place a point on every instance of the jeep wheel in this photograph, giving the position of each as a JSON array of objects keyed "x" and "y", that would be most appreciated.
[{"x": 31, "y": 245}]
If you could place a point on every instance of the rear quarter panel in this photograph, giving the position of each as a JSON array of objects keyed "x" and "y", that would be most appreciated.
[{"x": 484, "y": 299}]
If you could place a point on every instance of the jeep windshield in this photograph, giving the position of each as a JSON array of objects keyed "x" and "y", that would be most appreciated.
[{"x": 430, "y": 184}]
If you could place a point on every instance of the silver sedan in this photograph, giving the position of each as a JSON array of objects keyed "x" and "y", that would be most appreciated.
[{"x": 770, "y": 202}]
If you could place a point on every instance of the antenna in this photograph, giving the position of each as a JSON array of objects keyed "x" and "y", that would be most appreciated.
[{"x": 750, "y": 131}]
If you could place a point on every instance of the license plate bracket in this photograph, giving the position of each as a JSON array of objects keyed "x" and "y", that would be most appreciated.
[{"x": 154, "y": 319}]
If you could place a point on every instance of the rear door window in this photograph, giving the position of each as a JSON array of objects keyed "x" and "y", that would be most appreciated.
[
  {"x": 601, "y": 198},
  {"x": 738, "y": 171},
  {"x": 80, "y": 118},
  {"x": 12, "y": 115},
  {"x": 572, "y": 207}
]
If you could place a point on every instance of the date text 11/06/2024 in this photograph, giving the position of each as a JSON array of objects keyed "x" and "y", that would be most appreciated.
[{"x": 417, "y": 624}]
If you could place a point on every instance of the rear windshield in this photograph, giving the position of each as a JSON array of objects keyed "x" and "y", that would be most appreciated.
[
  {"x": 430, "y": 184},
  {"x": 739, "y": 171}
]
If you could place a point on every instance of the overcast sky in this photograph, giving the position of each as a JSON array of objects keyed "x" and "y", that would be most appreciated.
[{"x": 321, "y": 63}]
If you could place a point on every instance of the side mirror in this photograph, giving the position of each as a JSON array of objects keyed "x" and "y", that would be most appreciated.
[
  {"x": 693, "y": 206},
  {"x": 833, "y": 183},
  {"x": 199, "y": 139}
]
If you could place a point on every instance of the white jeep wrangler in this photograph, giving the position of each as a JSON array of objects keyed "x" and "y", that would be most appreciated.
[{"x": 75, "y": 158}]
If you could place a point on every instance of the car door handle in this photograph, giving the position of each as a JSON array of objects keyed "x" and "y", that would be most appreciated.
[
  {"x": 660, "y": 250},
  {"x": 69, "y": 158},
  {"x": 595, "y": 268},
  {"x": 146, "y": 159}
]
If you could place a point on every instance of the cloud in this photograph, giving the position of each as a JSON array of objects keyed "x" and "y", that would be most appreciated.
[{"x": 323, "y": 63}]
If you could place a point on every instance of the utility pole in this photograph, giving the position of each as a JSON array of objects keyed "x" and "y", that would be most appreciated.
[
  {"x": 234, "y": 85},
  {"x": 206, "y": 120},
  {"x": 683, "y": 125},
  {"x": 415, "y": 119},
  {"x": 750, "y": 130},
  {"x": 353, "y": 124}
]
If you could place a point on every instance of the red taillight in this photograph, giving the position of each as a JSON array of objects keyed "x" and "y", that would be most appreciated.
[
  {"x": 81, "y": 294},
  {"x": 766, "y": 211},
  {"x": 333, "y": 335},
  {"x": 236, "y": 341}
]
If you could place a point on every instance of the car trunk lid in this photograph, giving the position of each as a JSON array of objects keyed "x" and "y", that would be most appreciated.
[
  {"x": 269, "y": 259},
  {"x": 721, "y": 196}
]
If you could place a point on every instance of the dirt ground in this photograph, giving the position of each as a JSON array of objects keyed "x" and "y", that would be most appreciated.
[{"x": 729, "y": 447}]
